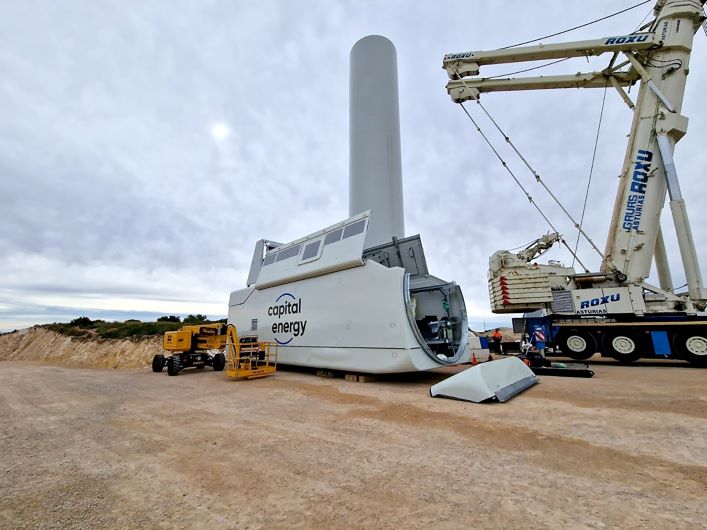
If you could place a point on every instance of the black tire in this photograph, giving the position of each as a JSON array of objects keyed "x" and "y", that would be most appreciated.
[
  {"x": 158, "y": 363},
  {"x": 219, "y": 362},
  {"x": 624, "y": 345},
  {"x": 204, "y": 360},
  {"x": 692, "y": 346},
  {"x": 577, "y": 344},
  {"x": 173, "y": 365}
]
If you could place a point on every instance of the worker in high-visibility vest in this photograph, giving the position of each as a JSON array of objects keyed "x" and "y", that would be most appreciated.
[{"x": 496, "y": 338}]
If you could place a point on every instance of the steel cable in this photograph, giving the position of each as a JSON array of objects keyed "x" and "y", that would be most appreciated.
[
  {"x": 591, "y": 171},
  {"x": 528, "y": 196},
  {"x": 577, "y": 27},
  {"x": 541, "y": 181}
]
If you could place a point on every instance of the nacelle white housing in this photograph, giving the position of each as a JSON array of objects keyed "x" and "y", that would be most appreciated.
[{"x": 331, "y": 304}]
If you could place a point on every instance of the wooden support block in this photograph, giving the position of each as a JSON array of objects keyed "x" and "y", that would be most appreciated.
[
  {"x": 359, "y": 378},
  {"x": 325, "y": 373}
]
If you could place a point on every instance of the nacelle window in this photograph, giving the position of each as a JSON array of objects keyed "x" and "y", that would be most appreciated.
[
  {"x": 288, "y": 253},
  {"x": 311, "y": 250},
  {"x": 333, "y": 236},
  {"x": 354, "y": 228}
]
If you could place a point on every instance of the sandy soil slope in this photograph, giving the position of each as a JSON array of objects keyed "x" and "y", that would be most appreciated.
[
  {"x": 97, "y": 448},
  {"x": 39, "y": 344}
]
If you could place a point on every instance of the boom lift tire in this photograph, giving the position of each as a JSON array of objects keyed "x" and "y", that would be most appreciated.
[
  {"x": 626, "y": 346},
  {"x": 219, "y": 362},
  {"x": 692, "y": 346},
  {"x": 173, "y": 365},
  {"x": 577, "y": 344},
  {"x": 158, "y": 363}
]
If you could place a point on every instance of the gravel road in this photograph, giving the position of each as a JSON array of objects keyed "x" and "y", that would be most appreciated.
[{"x": 99, "y": 448}]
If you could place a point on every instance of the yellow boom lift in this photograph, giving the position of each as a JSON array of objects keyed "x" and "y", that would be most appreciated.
[{"x": 193, "y": 346}]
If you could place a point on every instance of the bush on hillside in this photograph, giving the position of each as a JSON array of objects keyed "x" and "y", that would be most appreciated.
[
  {"x": 195, "y": 319},
  {"x": 81, "y": 322},
  {"x": 136, "y": 329},
  {"x": 113, "y": 330}
]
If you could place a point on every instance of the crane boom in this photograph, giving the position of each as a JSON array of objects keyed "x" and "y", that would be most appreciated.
[{"x": 467, "y": 63}]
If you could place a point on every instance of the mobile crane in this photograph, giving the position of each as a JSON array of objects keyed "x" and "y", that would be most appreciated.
[{"x": 613, "y": 311}]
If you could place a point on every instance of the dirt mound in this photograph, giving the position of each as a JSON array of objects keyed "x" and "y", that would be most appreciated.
[
  {"x": 506, "y": 334},
  {"x": 40, "y": 344}
]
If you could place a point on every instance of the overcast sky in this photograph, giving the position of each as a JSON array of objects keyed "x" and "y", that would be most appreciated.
[{"x": 145, "y": 146}]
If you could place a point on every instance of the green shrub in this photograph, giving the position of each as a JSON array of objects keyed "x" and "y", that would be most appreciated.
[
  {"x": 195, "y": 319},
  {"x": 81, "y": 322},
  {"x": 115, "y": 330}
]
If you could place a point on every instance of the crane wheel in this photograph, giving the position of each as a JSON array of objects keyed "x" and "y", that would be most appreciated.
[
  {"x": 158, "y": 363},
  {"x": 692, "y": 346},
  {"x": 173, "y": 366},
  {"x": 219, "y": 362},
  {"x": 626, "y": 346},
  {"x": 577, "y": 344}
]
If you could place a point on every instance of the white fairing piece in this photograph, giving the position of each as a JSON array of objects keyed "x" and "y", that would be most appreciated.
[
  {"x": 334, "y": 305},
  {"x": 500, "y": 379}
]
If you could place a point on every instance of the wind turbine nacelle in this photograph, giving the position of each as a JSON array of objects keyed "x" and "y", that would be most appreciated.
[{"x": 328, "y": 303}]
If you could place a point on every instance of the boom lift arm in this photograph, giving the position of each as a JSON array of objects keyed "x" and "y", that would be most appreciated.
[{"x": 658, "y": 58}]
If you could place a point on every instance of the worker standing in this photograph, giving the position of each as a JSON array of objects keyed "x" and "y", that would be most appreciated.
[
  {"x": 538, "y": 339},
  {"x": 525, "y": 345},
  {"x": 496, "y": 338}
]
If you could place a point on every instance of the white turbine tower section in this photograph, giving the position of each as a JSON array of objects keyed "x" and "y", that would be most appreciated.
[{"x": 375, "y": 174}]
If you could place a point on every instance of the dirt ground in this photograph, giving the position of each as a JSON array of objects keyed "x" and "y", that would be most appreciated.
[{"x": 103, "y": 448}]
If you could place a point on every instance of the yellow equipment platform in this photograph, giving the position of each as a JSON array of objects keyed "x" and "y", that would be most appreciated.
[{"x": 246, "y": 358}]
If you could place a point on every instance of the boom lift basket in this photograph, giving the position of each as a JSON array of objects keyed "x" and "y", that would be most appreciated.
[{"x": 246, "y": 358}]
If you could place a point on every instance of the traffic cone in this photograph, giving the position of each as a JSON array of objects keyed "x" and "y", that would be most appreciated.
[{"x": 474, "y": 360}]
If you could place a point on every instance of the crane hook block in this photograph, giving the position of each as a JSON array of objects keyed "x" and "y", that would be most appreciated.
[
  {"x": 457, "y": 69},
  {"x": 460, "y": 92}
]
